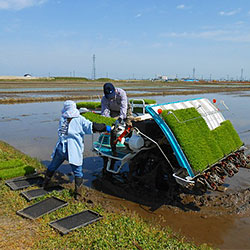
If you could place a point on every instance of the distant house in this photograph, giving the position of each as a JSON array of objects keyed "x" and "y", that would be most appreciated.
[
  {"x": 160, "y": 78},
  {"x": 27, "y": 75}
]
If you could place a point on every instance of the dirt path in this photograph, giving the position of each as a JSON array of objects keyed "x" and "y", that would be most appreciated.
[{"x": 16, "y": 233}]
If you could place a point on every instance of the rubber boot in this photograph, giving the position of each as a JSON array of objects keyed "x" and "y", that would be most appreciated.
[
  {"x": 47, "y": 178},
  {"x": 78, "y": 183}
]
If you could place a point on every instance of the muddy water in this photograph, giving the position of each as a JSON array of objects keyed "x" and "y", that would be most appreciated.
[{"x": 32, "y": 128}]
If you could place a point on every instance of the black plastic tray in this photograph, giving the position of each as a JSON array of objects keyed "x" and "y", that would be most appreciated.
[
  {"x": 43, "y": 207},
  {"x": 35, "y": 193},
  {"x": 69, "y": 223},
  {"x": 24, "y": 182}
]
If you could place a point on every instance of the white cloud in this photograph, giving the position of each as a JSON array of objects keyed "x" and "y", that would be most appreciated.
[
  {"x": 138, "y": 15},
  {"x": 156, "y": 45},
  {"x": 116, "y": 42},
  {"x": 181, "y": 6},
  {"x": 229, "y": 13},
  {"x": 240, "y": 23},
  {"x": 216, "y": 35},
  {"x": 19, "y": 4}
]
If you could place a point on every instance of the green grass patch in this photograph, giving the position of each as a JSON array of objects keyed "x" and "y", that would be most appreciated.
[
  {"x": 201, "y": 146},
  {"x": 93, "y": 117}
]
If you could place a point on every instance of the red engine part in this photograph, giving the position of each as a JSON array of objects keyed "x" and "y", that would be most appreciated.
[{"x": 125, "y": 132}]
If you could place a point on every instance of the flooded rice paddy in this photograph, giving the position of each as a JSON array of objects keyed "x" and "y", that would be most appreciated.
[{"x": 32, "y": 128}]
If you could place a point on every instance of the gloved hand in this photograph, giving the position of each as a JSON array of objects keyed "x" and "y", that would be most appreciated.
[
  {"x": 99, "y": 127},
  {"x": 108, "y": 128}
]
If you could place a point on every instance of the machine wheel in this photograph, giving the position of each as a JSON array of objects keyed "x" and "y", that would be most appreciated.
[{"x": 150, "y": 169}]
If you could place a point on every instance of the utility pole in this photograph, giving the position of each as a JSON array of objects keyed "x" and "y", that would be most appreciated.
[
  {"x": 241, "y": 75},
  {"x": 193, "y": 73},
  {"x": 93, "y": 68}
]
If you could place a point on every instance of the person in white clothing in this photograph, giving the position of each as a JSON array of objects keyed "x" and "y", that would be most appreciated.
[{"x": 70, "y": 144}]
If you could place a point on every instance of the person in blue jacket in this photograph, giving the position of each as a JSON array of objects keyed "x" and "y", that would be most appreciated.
[{"x": 70, "y": 144}]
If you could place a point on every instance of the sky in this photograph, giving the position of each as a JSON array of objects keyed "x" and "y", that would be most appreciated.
[{"x": 129, "y": 38}]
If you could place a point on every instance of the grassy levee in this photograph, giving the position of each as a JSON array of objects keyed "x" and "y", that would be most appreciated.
[
  {"x": 201, "y": 146},
  {"x": 14, "y": 163},
  {"x": 118, "y": 229}
]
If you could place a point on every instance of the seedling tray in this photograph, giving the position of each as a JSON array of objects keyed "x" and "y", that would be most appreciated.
[
  {"x": 24, "y": 182},
  {"x": 69, "y": 223},
  {"x": 35, "y": 193},
  {"x": 43, "y": 207}
]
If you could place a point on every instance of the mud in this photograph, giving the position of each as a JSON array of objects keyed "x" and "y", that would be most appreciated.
[
  {"x": 16, "y": 233},
  {"x": 207, "y": 218}
]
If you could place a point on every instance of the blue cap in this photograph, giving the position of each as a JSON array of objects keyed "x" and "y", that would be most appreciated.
[{"x": 109, "y": 90}]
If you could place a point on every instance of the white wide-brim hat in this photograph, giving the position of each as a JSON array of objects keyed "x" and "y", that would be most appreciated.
[{"x": 69, "y": 109}]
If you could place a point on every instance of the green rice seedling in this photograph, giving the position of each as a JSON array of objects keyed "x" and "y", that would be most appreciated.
[
  {"x": 223, "y": 135},
  {"x": 99, "y": 118},
  {"x": 14, "y": 172},
  {"x": 229, "y": 126},
  {"x": 201, "y": 146},
  {"x": 147, "y": 101},
  {"x": 88, "y": 105},
  {"x": 13, "y": 163}
]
